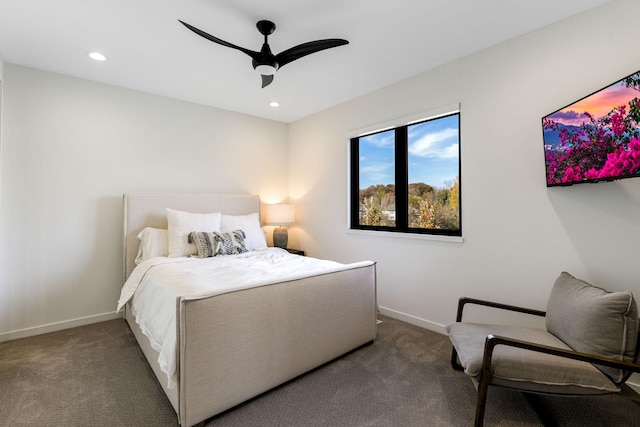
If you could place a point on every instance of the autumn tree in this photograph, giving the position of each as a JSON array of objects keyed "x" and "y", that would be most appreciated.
[
  {"x": 427, "y": 216},
  {"x": 454, "y": 195},
  {"x": 372, "y": 213}
]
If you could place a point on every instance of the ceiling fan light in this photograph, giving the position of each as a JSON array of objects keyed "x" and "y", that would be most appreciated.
[{"x": 266, "y": 70}]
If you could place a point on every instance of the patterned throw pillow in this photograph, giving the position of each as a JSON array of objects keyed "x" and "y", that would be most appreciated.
[{"x": 212, "y": 244}]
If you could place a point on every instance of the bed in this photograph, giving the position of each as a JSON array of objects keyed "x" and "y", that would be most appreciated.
[{"x": 236, "y": 344}]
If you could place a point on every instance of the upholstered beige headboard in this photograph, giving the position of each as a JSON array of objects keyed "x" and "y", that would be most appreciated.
[{"x": 149, "y": 210}]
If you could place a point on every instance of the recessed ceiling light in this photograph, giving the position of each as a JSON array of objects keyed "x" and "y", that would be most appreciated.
[
  {"x": 97, "y": 56},
  {"x": 274, "y": 104}
]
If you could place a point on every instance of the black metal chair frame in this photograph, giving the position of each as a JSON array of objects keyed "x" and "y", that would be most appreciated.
[{"x": 494, "y": 340}]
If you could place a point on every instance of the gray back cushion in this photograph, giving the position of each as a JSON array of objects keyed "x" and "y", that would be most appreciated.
[{"x": 592, "y": 320}]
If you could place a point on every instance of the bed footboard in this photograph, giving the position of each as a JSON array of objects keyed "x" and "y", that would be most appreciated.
[{"x": 237, "y": 345}]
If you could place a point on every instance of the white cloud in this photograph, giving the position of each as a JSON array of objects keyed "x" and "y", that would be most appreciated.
[
  {"x": 381, "y": 140},
  {"x": 377, "y": 172},
  {"x": 450, "y": 151},
  {"x": 442, "y": 144}
]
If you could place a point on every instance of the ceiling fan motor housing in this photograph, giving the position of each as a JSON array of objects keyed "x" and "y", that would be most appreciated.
[{"x": 265, "y": 62}]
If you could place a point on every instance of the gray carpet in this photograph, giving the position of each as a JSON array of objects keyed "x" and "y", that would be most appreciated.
[{"x": 96, "y": 375}]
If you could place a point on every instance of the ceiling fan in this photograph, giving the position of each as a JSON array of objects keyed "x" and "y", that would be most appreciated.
[{"x": 265, "y": 62}]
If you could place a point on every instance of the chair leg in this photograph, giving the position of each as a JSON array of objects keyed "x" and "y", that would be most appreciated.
[
  {"x": 483, "y": 390},
  {"x": 630, "y": 393},
  {"x": 454, "y": 360}
]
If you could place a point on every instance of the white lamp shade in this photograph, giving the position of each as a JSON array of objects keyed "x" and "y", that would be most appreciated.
[{"x": 281, "y": 214}]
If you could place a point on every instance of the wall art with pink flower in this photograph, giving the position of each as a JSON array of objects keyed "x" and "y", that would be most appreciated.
[{"x": 596, "y": 138}]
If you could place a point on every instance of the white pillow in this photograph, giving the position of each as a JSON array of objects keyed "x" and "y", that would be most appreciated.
[
  {"x": 180, "y": 224},
  {"x": 250, "y": 224},
  {"x": 154, "y": 242}
]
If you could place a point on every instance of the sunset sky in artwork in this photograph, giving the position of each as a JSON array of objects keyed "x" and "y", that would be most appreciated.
[{"x": 598, "y": 105}]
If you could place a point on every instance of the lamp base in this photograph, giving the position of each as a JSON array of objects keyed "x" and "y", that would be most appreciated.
[{"x": 280, "y": 237}]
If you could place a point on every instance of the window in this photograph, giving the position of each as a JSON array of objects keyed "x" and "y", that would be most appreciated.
[{"x": 407, "y": 178}]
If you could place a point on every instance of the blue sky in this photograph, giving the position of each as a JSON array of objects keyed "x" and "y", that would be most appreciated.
[{"x": 433, "y": 154}]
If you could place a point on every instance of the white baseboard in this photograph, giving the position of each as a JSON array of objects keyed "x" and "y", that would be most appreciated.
[
  {"x": 423, "y": 323},
  {"x": 58, "y": 326},
  {"x": 437, "y": 327}
]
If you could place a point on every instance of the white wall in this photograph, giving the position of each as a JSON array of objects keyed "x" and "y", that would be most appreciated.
[
  {"x": 71, "y": 148},
  {"x": 518, "y": 235}
]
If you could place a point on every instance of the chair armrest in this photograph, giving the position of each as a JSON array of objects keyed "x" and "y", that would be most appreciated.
[
  {"x": 466, "y": 300},
  {"x": 494, "y": 340}
]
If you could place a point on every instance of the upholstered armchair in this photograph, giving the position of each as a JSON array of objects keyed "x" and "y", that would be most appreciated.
[{"x": 590, "y": 344}]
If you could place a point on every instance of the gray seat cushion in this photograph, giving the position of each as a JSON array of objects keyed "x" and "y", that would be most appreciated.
[
  {"x": 594, "y": 321},
  {"x": 525, "y": 369}
]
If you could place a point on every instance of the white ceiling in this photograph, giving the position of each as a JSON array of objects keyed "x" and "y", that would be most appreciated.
[{"x": 147, "y": 48}]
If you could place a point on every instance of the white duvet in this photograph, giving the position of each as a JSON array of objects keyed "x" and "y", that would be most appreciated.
[{"x": 154, "y": 285}]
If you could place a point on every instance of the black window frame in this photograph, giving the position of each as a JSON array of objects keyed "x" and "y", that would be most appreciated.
[{"x": 401, "y": 160}]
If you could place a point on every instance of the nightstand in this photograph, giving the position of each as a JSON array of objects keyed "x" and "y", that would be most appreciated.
[{"x": 295, "y": 251}]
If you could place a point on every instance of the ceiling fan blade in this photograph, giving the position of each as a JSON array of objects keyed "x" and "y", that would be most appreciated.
[
  {"x": 214, "y": 39},
  {"x": 266, "y": 80},
  {"x": 305, "y": 49}
]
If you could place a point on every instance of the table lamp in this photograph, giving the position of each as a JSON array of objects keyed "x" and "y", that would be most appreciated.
[{"x": 280, "y": 215}]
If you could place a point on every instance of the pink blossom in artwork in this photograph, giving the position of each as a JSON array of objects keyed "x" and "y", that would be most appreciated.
[{"x": 598, "y": 146}]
